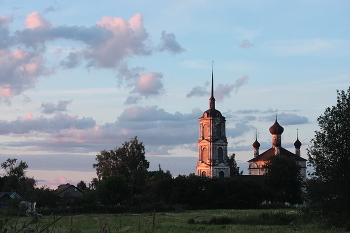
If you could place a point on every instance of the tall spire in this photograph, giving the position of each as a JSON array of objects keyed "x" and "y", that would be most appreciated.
[{"x": 212, "y": 99}]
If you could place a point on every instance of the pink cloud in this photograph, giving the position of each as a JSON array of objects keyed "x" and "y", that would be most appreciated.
[
  {"x": 5, "y": 92},
  {"x": 128, "y": 38},
  {"x": 149, "y": 84},
  {"x": 19, "y": 70},
  {"x": 35, "y": 20}
]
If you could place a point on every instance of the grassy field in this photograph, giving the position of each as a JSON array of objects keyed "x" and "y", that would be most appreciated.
[{"x": 186, "y": 221}]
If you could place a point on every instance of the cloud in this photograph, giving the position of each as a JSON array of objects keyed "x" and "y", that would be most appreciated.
[
  {"x": 287, "y": 119},
  {"x": 108, "y": 44},
  {"x": 222, "y": 91},
  {"x": 5, "y": 38},
  {"x": 50, "y": 107},
  {"x": 35, "y": 20},
  {"x": 169, "y": 43},
  {"x": 59, "y": 122},
  {"x": 150, "y": 84},
  {"x": 128, "y": 75},
  {"x": 240, "y": 129},
  {"x": 199, "y": 91},
  {"x": 246, "y": 44},
  {"x": 71, "y": 61},
  {"x": 145, "y": 85},
  {"x": 160, "y": 131},
  {"x": 50, "y": 9},
  {"x": 133, "y": 99},
  {"x": 19, "y": 71}
]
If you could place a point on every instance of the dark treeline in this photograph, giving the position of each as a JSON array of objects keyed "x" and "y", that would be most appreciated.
[{"x": 160, "y": 191}]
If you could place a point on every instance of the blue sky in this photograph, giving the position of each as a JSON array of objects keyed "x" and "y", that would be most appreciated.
[{"x": 77, "y": 78}]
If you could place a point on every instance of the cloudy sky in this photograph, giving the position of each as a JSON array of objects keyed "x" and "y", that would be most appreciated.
[{"x": 79, "y": 78}]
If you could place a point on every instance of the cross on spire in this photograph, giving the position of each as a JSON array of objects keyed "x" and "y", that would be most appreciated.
[
  {"x": 212, "y": 99},
  {"x": 276, "y": 113}
]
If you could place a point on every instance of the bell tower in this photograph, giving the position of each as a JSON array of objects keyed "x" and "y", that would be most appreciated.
[{"x": 212, "y": 142}]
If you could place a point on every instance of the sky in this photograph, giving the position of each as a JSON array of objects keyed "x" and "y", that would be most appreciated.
[{"x": 78, "y": 77}]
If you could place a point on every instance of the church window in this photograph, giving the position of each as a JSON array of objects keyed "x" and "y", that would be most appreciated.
[
  {"x": 218, "y": 131},
  {"x": 204, "y": 174},
  {"x": 220, "y": 155},
  {"x": 205, "y": 154},
  {"x": 205, "y": 131},
  {"x": 221, "y": 175}
]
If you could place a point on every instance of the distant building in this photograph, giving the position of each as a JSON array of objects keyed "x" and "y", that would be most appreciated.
[
  {"x": 68, "y": 194},
  {"x": 212, "y": 142},
  {"x": 5, "y": 198},
  {"x": 257, "y": 164}
]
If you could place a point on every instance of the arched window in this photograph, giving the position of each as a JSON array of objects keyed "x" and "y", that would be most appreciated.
[
  {"x": 202, "y": 129},
  {"x": 205, "y": 131},
  {"x": 218, "y": 131},
  {"x": 221, "y": 175},
  {"x": 204, "y": 174},
  {"x": 205, "y": 154},
  {"x": 220, "y": 155}
]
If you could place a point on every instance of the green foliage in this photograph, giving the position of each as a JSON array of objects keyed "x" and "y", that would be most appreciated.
[
  {"x": 44, "y": 197},
  {"x": 15, "y": 179},
  {"x": 329, "y": 155},
  {"x": 123, "y": 160},
  {"x": 114, "y": 190},
  {"x": 82, "y": 185},
  {"x": 234, "y": 170},
  {"x": 283, "y": 179}
]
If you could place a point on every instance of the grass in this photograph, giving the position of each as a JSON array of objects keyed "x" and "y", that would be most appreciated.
[{"x": 285, "y": 220}]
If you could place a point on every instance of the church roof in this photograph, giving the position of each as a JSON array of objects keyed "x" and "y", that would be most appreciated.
[
  {"x": 256, "y": 144},
  {"x": 297, "y": 143},
  {"x": 212, "y": 112},
  {"x": 263, "y": 156},
  {"x": 276, "y": 128}
]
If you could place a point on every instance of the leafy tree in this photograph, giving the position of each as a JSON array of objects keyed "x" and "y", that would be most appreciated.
[
  {"x": 15, "y": 169},
  {"x": 82, "y": 185},
  {"x": 93, "y": 185},
  {"x": 44, "y": 197},
  {"x": 114, "y": 190},
  {"x": 329, "y": 154},
  {"x": 234, "y": 170},
  {"x": 15, "y": 176},
  {"x": 283, "y": 179},
  {"x": 123, "y": 160}
]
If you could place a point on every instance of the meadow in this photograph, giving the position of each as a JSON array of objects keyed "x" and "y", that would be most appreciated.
[{"x": 220, "y": 220}]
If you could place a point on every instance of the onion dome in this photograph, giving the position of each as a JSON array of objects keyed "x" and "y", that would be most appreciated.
[
  {"x": 256, "y": 144},
  {"x": 297, "y": 143},
  {"x": 276, "y": 128}
]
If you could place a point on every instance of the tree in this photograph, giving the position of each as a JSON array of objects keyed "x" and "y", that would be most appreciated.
[
  {"x": 15, "y": 176},
  {"x": 82, "y": 185},
  {"x": 283, "y": 179},
  {"x": 123, "y": 160},
  {"x": 234, "y": 170},
  {"x": 329, "y": 155},
  {"x": 44, "y": 197},
  {"x": 114, "y": 190}
]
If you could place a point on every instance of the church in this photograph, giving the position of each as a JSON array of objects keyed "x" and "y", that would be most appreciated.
[
  {"x": 212, "y": 146},
  {"x": 257, "y": 164},
  {"x": 212, "y": 142}
]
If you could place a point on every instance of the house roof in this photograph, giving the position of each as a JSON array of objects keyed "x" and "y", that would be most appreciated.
[
  {"x": 263, "y": 156},
  {"x": 10, "y": 194},
  {"x": 4, "y": 194},
  {"x": 63, "y": 187}
]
